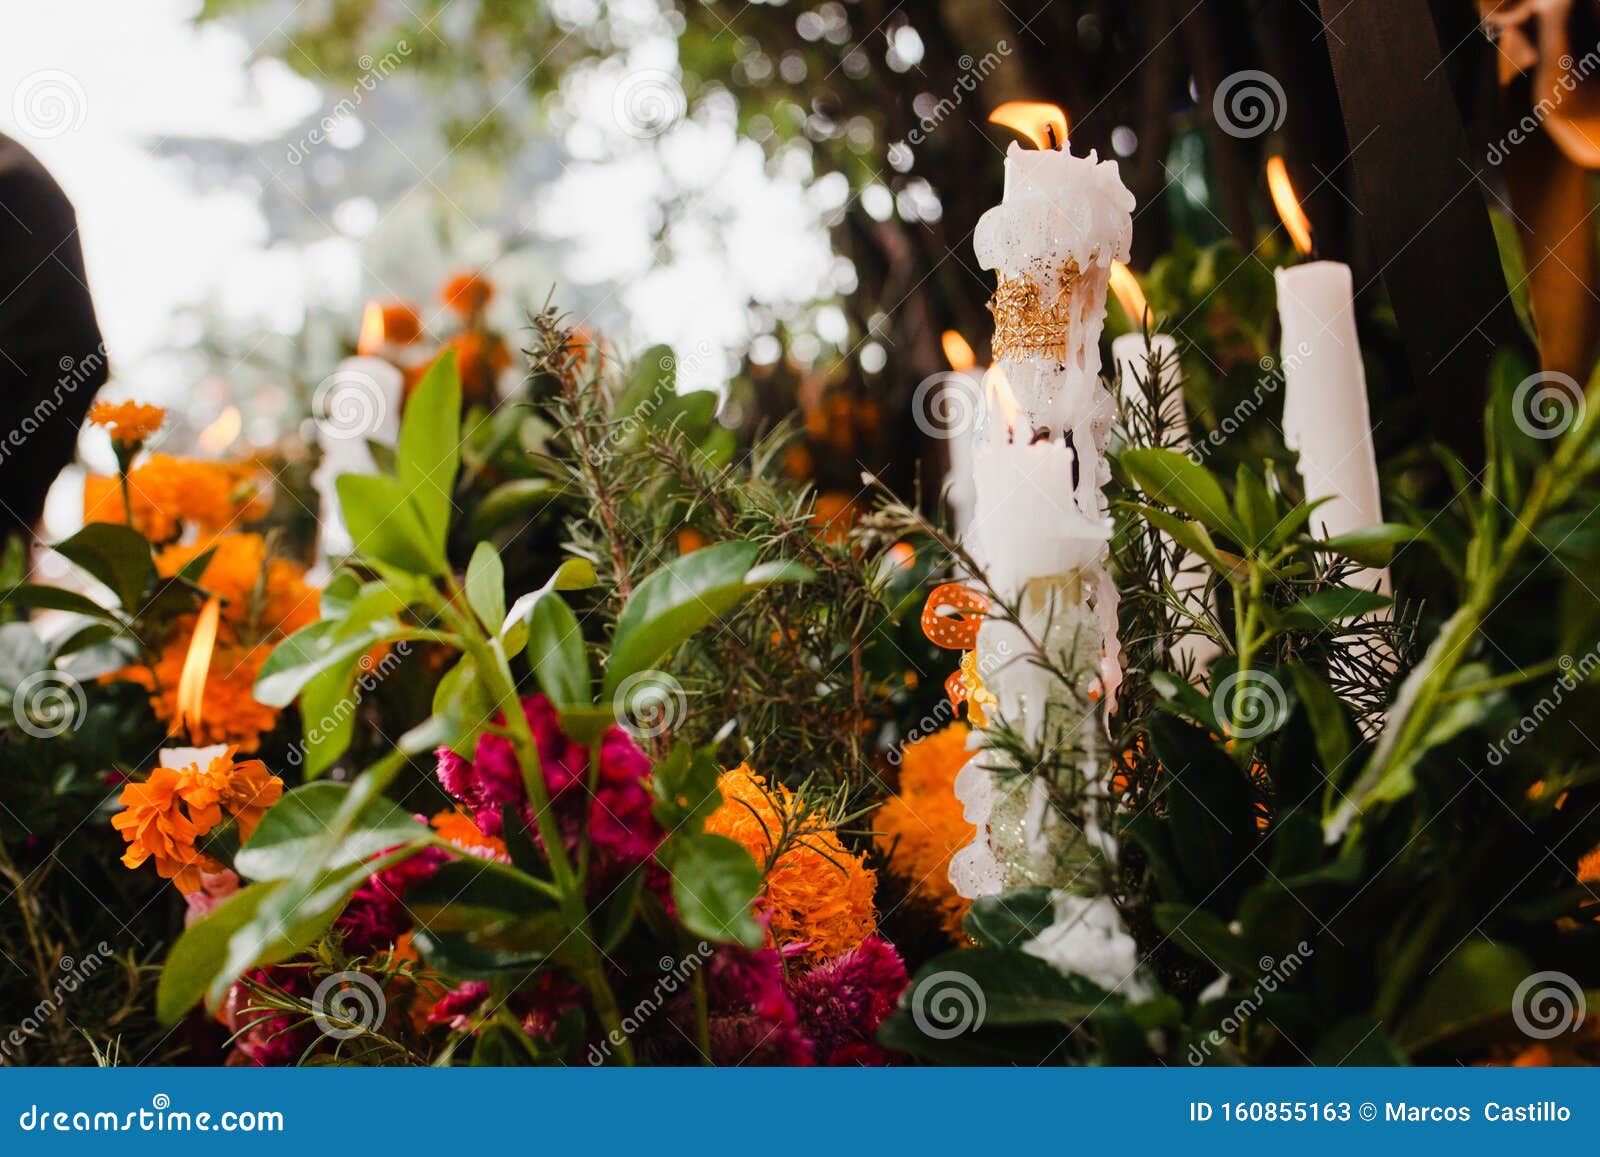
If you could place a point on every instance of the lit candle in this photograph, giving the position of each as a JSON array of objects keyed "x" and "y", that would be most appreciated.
[
  {"x": 358, "y": 403},
  {"x": 1325, "y": 415},
  {"x": 1041, "y": 533}
]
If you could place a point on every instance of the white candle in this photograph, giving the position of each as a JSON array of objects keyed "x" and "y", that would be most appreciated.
[
  {"x": 1193, "y": 652},
  {"x": 1325, "y": 416},
  {"x": 1027, "y": 524}
]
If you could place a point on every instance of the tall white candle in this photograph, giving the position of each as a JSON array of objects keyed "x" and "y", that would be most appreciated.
[{"x": 1325, "y": 415}]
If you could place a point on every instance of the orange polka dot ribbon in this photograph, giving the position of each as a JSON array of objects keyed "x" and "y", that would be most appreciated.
[{"x": 952, "y": 615}]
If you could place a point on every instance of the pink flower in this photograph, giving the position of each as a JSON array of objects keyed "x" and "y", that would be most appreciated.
[{"x": 215, "y": 887}]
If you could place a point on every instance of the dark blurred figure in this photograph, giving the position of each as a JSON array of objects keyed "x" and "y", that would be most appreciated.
[{"x": 52, "y": 358}]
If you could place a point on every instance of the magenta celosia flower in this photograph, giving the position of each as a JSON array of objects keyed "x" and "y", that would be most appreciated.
[
  {"x": 753, "y": 1020},
  {"x": 841, "y": 1002},
  {"x": 618, "y": 815},
  {"x": 376, "y": 915},
  {"x": 262, "y": 1037},
  {"x": 455, "y": 1008}
]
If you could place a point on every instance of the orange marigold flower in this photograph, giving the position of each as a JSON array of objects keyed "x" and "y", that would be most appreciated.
[
  {"x": 459, "y": 828},
  {"x": 818, "y": 896},
  {"x": 269, "y": 594},
  {"x": 129, "y": 423},
  {"x": 156, "y": 827},
  {"x": 402, "y": 324},
  {"x": 922, "y": 827},
  {"x": 466, "y": 293},
  {"x": 164, "y": 816},
  {"x": 230, "y": 713},
  {"x": 167, "y": 492},
  {"x": 480, "y": 358}
]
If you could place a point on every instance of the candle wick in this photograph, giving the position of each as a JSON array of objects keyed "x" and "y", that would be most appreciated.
[{"x": 1050, "y": 135}]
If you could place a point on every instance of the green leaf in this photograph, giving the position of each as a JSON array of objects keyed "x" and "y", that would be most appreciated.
[
  {"x": 682, "y": 597},
  {"x": 685, "y": 784},
  {"x": 306, "y": 654},
  {"x": 1173, "y": 480},
  {"x": 1258, "y": 516},
  {"x": 490, "y": 906},
  {"x": 1011, "y": 919},
  {"x": 117, "y": 556},
  {"x": 328, "y": 708},
  {"x": 714, "y": 882},
  {"x": 1205, "y": 937},
  {"x": 196, "y": 958},
  {"x": 386, "y": 524},
  {"x": 461, "y": 703},
  {"x": 995, "y": 987},
  {"x": 429, "y": 451},
  {"x": 557, "y": 653},
  {"x": 1326, "y": 607},
  {"x": 519, "y": 498},
  {"x": 1373, "y": 546},
  {"x": 1358, "y": 1042},
  {"x": 574, "y": 574},
  {"x": 47, "y": 598},
  {"x": 1473, "y": 987},
  {"x": 294, "y": 829},
  {"x": 1211, "y": 816},
  {"x": 486, "y": 587}
]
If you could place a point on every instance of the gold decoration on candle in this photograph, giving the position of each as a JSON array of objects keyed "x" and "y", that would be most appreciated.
[{"x": 1024, "y": 326}]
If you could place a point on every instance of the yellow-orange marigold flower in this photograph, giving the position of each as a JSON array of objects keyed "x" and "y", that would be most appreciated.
[
  {"x": 167, "y": 492},
  {"x": 818, "y": 896},
  {"x": 240, "y": 569},
  {"x": 458, "y": 828},
  {"x": 922, "y": 827},
  {"x": 172, "y": 809},
  {"x": 128, "y": 423},
  {"x": 466, "y": 293},
  {"x": 157, "y": 828}
]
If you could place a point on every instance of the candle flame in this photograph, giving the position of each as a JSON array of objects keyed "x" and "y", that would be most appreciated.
[
  {"x": 957, "y": 352},
  {"x": 1125, "y": 284},
  {"x": 372, "y": 334},
  {"x": 1043, "y": 124},
  {"x": 196, "y": 665},
  {"x": 218, "y": 436},
  {"x": 1288, "y": 205},
  {"x": 998, "y": 391}
]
